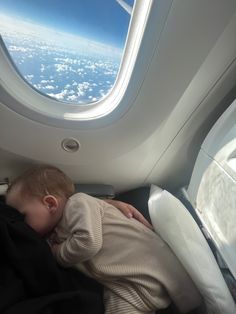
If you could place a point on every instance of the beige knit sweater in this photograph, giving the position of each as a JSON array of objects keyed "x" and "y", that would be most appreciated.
[{"x": 132, "y": 262}]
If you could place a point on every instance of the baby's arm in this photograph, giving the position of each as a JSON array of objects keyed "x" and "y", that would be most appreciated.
[
  {"x": 84, "y": 225},
  {"x": 129, "y": 211}
]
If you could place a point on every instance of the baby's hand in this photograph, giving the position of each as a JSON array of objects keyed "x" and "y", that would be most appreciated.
[{"x": 129, "y": 211}]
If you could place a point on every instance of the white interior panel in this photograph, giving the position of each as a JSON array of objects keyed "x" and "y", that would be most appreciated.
[{"x": 191, "y": 66}]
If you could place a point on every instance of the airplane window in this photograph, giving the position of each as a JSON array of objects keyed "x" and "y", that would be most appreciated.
[{"x": 68, "y": 50}]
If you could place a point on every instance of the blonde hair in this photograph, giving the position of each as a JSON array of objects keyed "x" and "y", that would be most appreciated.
[{"x": 43, "y": 180}]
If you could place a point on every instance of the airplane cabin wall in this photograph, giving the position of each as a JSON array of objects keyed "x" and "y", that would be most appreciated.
[{"x": 188, "y": 82}]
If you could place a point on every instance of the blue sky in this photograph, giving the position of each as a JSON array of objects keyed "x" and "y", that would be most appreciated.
[{"x": 100, "y": 20}]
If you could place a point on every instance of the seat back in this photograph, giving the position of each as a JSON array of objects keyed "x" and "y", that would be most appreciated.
[{"x": 172, "y": 221}]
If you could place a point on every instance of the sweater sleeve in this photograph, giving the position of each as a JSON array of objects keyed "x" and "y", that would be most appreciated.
[{"x": 84, "y": 222}]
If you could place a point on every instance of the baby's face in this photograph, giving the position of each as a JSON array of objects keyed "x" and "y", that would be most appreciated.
[{"x": 36, "y": 213}]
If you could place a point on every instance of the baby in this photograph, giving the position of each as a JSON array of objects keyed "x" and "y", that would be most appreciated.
[{"x": 138, "y": 270}]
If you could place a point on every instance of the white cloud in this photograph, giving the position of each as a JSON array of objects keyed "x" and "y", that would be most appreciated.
[
  {"x": 61, "y": 67},
  {"x": 18, "y": 49},
  {"x": 91, "y": 67},
  {"x": 72, "y": 98},
  {"x": 49, "y": 87},
  {"x": 37, "y": 86},
  {"x": 70, "y": 58},
  {"x": 80, "y": 70},
  {"x": 42, "y": 68},
  {"x": 29, "y": 76},
  {"x": 59, "y": 96}
]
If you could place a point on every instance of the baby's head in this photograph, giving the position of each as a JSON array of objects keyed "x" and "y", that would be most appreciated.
[{"x": 40, "y": 194}]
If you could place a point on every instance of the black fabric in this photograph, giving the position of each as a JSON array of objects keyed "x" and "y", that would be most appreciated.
[{"x": 31, "y": 282}]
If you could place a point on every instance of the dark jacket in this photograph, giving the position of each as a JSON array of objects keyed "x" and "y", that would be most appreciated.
[{"x": 31, "y": 282}]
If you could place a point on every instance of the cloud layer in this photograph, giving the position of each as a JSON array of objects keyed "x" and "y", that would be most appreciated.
[{"x": 63, "y": 66}]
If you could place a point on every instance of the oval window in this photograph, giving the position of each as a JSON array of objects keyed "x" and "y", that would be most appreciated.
[{"x": 68, "y": 50}]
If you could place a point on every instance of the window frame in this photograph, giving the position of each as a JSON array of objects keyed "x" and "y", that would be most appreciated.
[{"x": 138, "y": 50}]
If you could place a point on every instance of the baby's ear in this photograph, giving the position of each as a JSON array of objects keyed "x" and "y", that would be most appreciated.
[{"x": 51, "y": 203}]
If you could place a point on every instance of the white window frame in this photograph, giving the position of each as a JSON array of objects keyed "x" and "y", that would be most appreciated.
[{"x": 39, "y": 107}]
